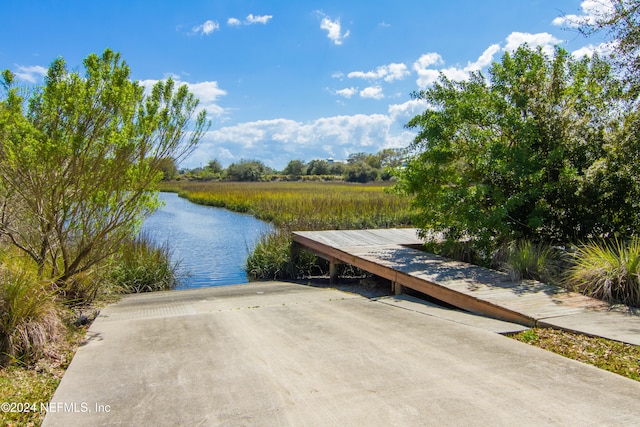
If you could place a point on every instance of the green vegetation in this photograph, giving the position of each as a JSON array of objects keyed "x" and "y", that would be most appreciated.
[
  {"x": 140, "y": 266},
  {"x": 526, "y": 260},
  {"x": 623, "y": 28},
  {"x": 36, "y": 383},
  {"x": 29, "y": 320},
  {"x": 541, "y": 154},
  {"x": 359, "y": 167},
  {"x": 537, "y": 151},
  {"x": 304, "y": 205},
  {"x": 608, "y": 270},
  {"x": 622, "y": 359}
]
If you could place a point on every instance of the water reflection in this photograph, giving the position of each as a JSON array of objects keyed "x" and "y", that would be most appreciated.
[{"x": 211, "y": 244}]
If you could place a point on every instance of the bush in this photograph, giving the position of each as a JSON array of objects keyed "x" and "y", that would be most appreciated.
[
  {"x": 608, "y": 270},
  {"x": 29, "y": 318},
  {"x": 141, "y": 266},
  {"x": 360, "y": 172},
  {"x": 526, "y": 260}
]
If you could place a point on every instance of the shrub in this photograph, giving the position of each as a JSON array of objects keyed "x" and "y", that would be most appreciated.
[
  {"x": 608, "y": 270},
  {"x": 141, "y": 266},
  {"x": 526, "y": 260},
  {"x": 29, "y": 319}
]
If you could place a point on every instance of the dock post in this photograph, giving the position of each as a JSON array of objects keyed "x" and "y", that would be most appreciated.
[
  {"x": 333, "y": 271},
  {"x": 396, "y": 288}
]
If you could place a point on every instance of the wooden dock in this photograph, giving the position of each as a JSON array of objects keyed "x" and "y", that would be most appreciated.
[{"x": 393, "y": 254}]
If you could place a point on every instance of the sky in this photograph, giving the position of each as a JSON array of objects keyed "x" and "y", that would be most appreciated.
[{"x": 291, "y": 80}]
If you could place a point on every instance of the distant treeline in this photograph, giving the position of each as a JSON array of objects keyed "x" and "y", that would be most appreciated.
[{"x": 359, "y": 167}]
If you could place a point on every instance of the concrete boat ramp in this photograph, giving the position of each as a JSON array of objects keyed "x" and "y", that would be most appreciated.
[
  {"x": 283, "y": 354},
  {"x": 392, "y": 254}
]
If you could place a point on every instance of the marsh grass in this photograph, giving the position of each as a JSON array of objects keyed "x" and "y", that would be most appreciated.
[
  {"x": 609, "y": 270},
  {"x": 273, "y": 259},
  {"x": 142, "y": 266},
  {"x": 303, "y": 206}
]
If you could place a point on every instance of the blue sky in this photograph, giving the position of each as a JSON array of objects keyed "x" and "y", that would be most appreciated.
[{"x": 284, "y": 80}]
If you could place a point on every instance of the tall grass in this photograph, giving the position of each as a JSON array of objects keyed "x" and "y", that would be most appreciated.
[
  {"x": 526, "y": 260},
  {"x": 609, "y": 270},
  {"x": 305, "y": 205},
  {"x": 30, "y": 323},
  {"x": 142, "y": 266}
]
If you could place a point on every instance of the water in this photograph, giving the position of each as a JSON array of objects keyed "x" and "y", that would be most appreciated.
[{"x": 211, "y": 244}]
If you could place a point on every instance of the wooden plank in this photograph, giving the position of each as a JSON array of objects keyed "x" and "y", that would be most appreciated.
[{"x": 466, "y": 286}]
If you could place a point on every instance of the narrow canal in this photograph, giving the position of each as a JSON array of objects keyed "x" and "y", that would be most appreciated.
[{"x": 210, "y": 244}]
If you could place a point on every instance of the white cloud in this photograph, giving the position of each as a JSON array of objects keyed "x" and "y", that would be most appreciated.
[
  {"x": 206, "y": 28},
  {"x": 389, "y": 73},
  {"x": 407, "y": 109},
  {"x": 347, "y": 92},
  {"x": 207, "y": 92},
  {"x": 592, "y": 11},
  {"x": 374, "y": 92},
  {"x": 333, "y": 28},
  {"x": 426, "y": 75},
  {"x": 602, "y": 49},
  {"x": 252, "y": 19},
  {"x": 485, "y": 59},
  {"x": 429, "y": 66},
  {"x": 31, "y": 73},
  {"x": 279, "y": 140},
  {"x": 396, "y": 72},
  {"x": 427, "y": 60},
  {"x": 545, "y": 40}
]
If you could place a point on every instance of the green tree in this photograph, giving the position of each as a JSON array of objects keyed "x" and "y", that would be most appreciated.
[
  {"x": 247, "y": 170},
  {"x": 294, "y": 168},
  {"x": 336, "y": 168},
  {"x": 168, "y": 168},
  {"x": 391, "y": 157},
  {"x": 79, "y": 165},
  {"x": 360, "y": 172},
  {"x": 318, "y": 167},
  {"x": 535, "y": 151},
  {"x": 214, "y": 166}
]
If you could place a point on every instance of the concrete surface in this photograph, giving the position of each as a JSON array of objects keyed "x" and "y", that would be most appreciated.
[
  {"x": 622, "y": 324},
  {"x": 273, "y": 353},
  {"x": 470, "y": 319}
]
